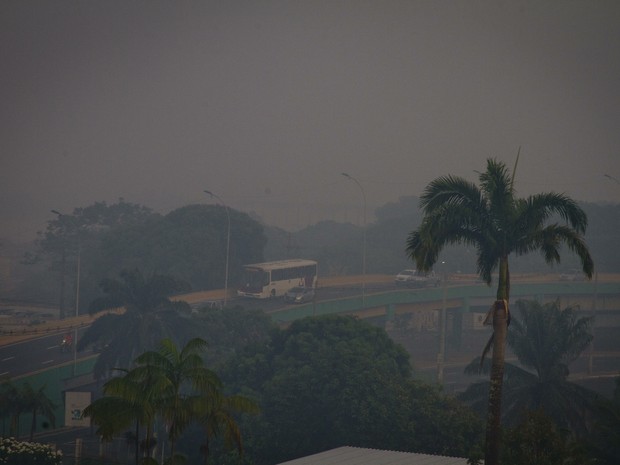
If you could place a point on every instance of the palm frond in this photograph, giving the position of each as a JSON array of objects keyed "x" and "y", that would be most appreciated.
[
  {"x": 496, "y": 185},
  {"x": 451, "y": 190},
  {"x": 548, "y": 204}
]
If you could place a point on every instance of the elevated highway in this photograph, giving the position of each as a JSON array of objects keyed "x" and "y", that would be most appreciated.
[{"x": 411, "y": 317}]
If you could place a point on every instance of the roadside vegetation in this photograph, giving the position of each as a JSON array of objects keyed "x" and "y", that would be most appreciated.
[
  {"x": 224, "y": 385},
  {"x": 19, "y": 399},
  {"x": 252, "y": 393},
  {"x": 167, "y": 390}
]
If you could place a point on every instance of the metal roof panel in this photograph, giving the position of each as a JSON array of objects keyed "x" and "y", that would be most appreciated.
[{"x": 347, "y": 455}]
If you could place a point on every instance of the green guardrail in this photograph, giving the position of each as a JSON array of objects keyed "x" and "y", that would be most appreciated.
[{"x": 465, "y": 293}]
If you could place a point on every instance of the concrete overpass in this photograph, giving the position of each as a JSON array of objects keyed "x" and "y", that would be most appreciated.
[
  {"x": 412, "y": 317},
  {"x": 601, "y": 296}
]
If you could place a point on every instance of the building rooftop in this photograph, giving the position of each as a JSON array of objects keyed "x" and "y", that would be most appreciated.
[{"x": 360, "y": 456}]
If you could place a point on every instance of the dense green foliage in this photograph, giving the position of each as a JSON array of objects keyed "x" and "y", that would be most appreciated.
[
  {"x": 188, "y": 243},
  {"x": 22, "y": 399},
  {"x": 230, "y": 330},
  {"x": 536, "y": 440},
  {"x": 604, "y": 440},
  {"x": 328, "y": 381},
  {"x": 168, "y": 390},
  {"x": 79, "y": 234},
  {"x": 545, "y": 340}
]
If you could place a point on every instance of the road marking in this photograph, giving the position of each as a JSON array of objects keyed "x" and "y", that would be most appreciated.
[
  {"x": 8, "y": 358},
  {"x": 47, "y": 362},
  {"x": 5, "y": 373},
  {"x": 52, "y": 347}
]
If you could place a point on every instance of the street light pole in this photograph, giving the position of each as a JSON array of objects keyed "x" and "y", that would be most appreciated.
[
  {"x": 441, "y": 356},
  {"x": 227, "y": 243},
  {"x": 77, "y": 291},
  {"x": 364, "y": 238},
  {"x": 77, "y": 302},
  {"x": 61, "y": 304}
]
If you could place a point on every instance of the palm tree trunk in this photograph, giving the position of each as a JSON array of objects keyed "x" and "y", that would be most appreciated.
[
  {"x": 503, "y": 284},
  {"x": 33, "y": 425},
  {"x": 137, "y": 442},
  {"x": 148, "y": 439},
  {"x": 14, "y": 428},
  {"x": 493, "y": 431},
  {"x": 171, "y": 437},
  {"x": 500, "y": 329},
  {"x": 205, "y": 447}
]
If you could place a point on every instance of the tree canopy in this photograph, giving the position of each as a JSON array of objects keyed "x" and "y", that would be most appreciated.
[
  {"x": 333, "y": 380},
  {"x": 171, "y": 386},
  {"x": 146, "y": 315},
  {"x": 19, "y": 399},
  {"x": 188, "y": 243},
  {"x": 545, "y": 339},
  {"x": 604, "y": 441}
]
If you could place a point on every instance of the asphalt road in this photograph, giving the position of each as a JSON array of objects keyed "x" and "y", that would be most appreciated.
[
  {"x": 43, "y": 352},
  {"x": 32, "y": 355},
  {"x": 36, "y": 354}
]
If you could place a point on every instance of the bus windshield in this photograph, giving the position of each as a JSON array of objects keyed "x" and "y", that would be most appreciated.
[{"x": 254, "y": 279}]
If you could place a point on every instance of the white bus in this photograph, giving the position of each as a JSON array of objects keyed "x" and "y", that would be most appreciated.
[{"x": 272, "y": 279}]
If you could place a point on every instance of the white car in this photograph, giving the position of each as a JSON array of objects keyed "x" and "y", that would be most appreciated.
[
  {"x": 572, "y": 275},
  {"x": 299, "y": 294},
  {"x": 415, "y": 278}
]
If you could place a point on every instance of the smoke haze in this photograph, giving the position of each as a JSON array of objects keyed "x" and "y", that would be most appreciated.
[{"x": 267, "y": 103}]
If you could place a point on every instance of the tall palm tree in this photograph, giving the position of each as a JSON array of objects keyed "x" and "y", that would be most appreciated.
[
  {"x": 545, "y": 339},
  {"x": 149, "y": 315},
  {"x": 496, "y": 222}
]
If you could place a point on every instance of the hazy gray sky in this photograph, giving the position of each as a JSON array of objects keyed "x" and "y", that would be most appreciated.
[{"x": 266, "y": 102}]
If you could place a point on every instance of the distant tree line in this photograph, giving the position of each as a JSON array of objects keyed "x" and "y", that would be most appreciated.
[
  {"x": 189, "y": 243},
  {"x": 338, "y": 246}
]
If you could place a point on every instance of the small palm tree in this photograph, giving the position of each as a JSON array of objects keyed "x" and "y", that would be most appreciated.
[
  {"x": 18, "y": 400},
  {"x": 215, "y": 412},
  {"x": 179, "y": 374},
  {"x": 545, "y": 339},
  {"x": 10, "y": 405},
  {"x": 36, "y": 401},
  {"x": 127, "y": 402},
  {"x": 496, "y": 222},
  {"x": 149, "y": 315}
]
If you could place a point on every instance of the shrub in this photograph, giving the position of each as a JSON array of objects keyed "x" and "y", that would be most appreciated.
[{"x": 14, "y": 452}]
